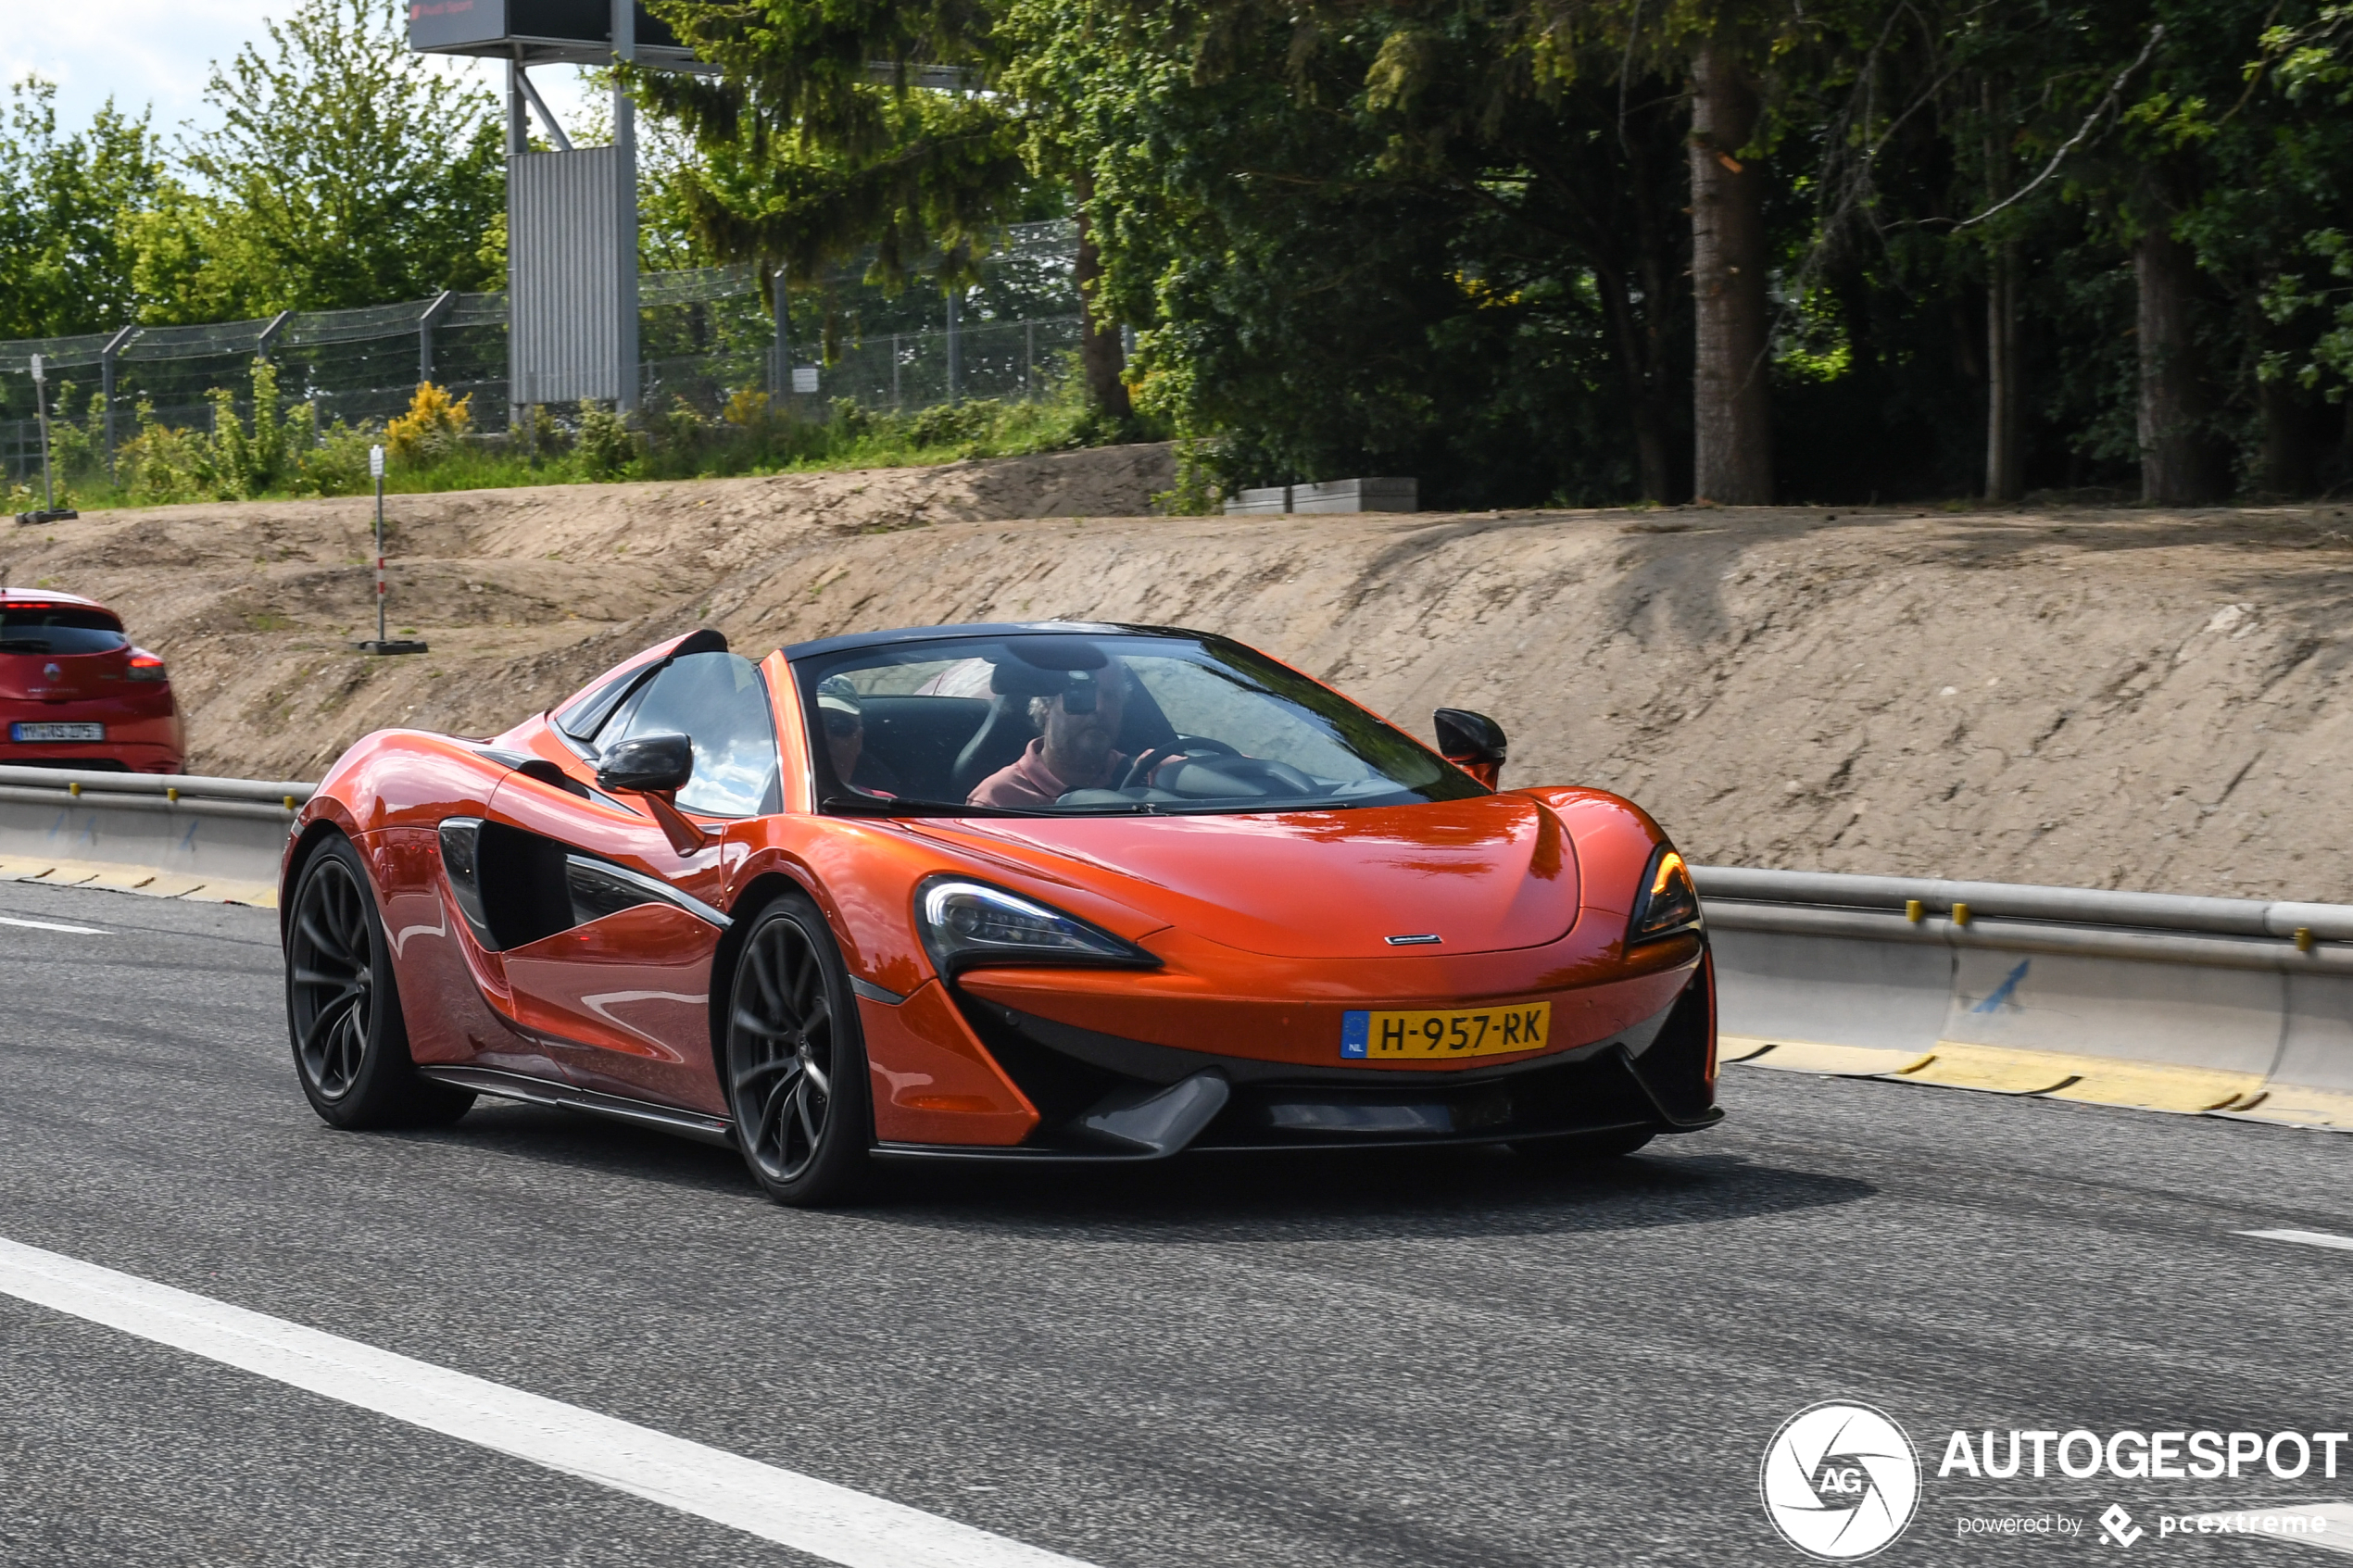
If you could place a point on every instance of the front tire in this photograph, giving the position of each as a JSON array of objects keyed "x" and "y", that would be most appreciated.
[
  {"x": 795, "y": 1062},
  {"x": 343, "y": 1007}
]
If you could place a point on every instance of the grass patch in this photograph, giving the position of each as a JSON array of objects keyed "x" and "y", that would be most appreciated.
[{"x": 432, "y": 447}]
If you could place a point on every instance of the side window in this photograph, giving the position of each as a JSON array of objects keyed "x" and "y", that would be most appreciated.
[{"x": 719, "y": 701}]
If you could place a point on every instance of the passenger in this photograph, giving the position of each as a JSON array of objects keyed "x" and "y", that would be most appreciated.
[
  {"x": 1072, "y": 751},
  {"x": 845, "y": 718}
]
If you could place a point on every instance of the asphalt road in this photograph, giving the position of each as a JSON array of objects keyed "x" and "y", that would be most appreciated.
[{"x": 1415, "y": 1361}]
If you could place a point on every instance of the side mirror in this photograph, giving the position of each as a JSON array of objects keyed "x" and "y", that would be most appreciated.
[
  {"x": 647, "y": 765},
  {"x": 657, "y": 767},
  {"x": 1472, "y": 742}
]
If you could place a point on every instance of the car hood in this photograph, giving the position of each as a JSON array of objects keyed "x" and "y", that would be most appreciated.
[{"x": 1490, "y": 872}]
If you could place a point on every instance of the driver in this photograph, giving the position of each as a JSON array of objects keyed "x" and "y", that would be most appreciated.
[{"x": 1073, "y": 749}]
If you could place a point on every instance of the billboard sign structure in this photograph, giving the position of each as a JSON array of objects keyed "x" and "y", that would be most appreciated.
[
  {"x": 536, "y": 32},
  {"x": 572, "y": 215}
]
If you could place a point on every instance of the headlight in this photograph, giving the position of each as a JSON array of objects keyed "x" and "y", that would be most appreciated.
[
  {"x": 965, "y": 924},
  {"x": 1669, "y": 902}
]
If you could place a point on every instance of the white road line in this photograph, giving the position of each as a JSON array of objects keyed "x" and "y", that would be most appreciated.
[
  {"x": 2308, "y": 1238},
  {"x": 53, "y": 925},
  {"x": 817, "y": 1517}
]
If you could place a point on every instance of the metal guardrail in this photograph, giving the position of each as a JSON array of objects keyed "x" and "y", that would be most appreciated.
[
  {"x": 276, "y": 799},
  {"x": 182, "y": 834},
  {"x": 2080, "y": 906},
  {"x": 2238, "y": 1006}
]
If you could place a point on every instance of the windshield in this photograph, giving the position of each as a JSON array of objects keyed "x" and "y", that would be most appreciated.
[
  {"x": 1072, "y": 724},
  {"x": 59, "y": 629}
]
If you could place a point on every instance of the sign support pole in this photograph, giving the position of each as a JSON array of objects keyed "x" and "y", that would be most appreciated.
[
  {"x": 49, "y": 511},
  {"x": 383, "y": 644},
  {"x": 625, "y": 141}
]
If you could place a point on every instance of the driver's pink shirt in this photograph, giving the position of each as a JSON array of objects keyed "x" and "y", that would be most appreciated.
[{"x": 1028, "y": 782}]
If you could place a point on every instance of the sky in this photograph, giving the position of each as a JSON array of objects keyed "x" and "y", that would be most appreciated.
[{"x": 159, "y": 52}]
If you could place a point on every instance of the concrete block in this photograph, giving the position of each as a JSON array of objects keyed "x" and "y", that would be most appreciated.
[{"x": 1358, "y": 495}]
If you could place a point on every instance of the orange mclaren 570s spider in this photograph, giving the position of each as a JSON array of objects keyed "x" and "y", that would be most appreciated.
[{"x": 1058, "y": 892}]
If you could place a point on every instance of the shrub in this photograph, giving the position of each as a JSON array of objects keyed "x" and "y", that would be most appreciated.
[
  {"x": 432, "y": 427},
  {"x": 337, "y": 463},
  {"x": 609, "y": 448}
]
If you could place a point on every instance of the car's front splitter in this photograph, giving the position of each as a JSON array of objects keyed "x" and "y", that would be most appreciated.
[{"x": 1106, "y": 1099}]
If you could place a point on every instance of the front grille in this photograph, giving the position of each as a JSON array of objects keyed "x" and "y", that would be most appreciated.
[{"x": 1273, "y": 1106}]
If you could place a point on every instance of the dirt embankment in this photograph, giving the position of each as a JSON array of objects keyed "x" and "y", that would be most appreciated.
[{"x": 2119, "y": 699}]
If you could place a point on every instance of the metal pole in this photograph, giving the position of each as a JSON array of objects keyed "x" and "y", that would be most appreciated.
[
  {"x": 376, "y": 461},
  {"x": 955, "y": 348},
  {"x": 780, "y": 303},
  {"x": 625, "y": 141},
  {"x": 518, "y": 143},
  {"x": 269, "y": 335},
  {"x": 1028, "y": 358},
  {"x": 430, "y": 317},
  {"x": 41, "y": 409},
  {"x": 105, "y": 385}
]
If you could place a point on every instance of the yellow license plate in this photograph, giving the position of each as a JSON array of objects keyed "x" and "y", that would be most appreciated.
[{"x": 1420, "y": 1036}]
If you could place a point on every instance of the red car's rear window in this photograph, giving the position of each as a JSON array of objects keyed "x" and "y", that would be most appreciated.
[{"x": 59, "y": 629}]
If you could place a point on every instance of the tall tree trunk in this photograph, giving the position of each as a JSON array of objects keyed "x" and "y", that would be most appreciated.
[
  {"x": 1732, "y": 409},
  {"x": 2288, "y": 467},
  {"x": 1654, "y": 456},
  {"x": 2004, "y": 482},
  {"x": 1099, "y": 351},
  {"x": 2173, "y": 465},
  {"x": 2291, "y": 466}
]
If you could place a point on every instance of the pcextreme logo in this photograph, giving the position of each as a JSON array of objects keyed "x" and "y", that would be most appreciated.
[{"x": 1839, "y": 1480}]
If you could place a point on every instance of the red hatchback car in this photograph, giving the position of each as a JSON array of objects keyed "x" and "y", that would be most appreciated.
[{"x": 74, "y": 693}]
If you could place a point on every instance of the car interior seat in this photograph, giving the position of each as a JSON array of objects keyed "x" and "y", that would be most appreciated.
[{"x": 1003, "y": 736}]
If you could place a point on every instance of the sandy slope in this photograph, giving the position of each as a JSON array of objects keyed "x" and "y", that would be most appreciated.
[{"x": 2119, "y": 699}]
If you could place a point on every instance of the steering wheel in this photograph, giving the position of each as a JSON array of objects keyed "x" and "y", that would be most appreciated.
[{"x": 1140, "y": 771}]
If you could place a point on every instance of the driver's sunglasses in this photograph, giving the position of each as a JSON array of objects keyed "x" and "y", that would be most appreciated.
[{"x": 840, "y": 725}]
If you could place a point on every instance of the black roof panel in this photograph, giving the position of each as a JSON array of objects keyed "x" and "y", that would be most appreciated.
[{"x": 978, "y": 629}]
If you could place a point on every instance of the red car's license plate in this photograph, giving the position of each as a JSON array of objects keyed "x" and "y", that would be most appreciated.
[{"x": 57, "y": 732}]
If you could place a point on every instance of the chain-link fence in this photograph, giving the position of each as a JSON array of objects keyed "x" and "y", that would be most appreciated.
[{"x": 705, "y": 333}]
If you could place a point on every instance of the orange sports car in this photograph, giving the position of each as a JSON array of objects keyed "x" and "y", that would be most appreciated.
[{"x": 1055, "y": 892}]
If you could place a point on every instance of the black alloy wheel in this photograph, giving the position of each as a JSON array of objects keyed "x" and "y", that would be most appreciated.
[
  {"x": 796, "y": 1063},
  {"x": 343, "y": 1008}
]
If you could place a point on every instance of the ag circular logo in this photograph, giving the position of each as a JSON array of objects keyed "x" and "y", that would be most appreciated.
[{"x": 1839, "y": 1480}]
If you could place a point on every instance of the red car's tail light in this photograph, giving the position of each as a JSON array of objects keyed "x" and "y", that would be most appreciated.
[{"x": 145, "y": 667}]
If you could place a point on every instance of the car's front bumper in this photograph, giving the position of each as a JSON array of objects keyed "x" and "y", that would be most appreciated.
[{"x": 1104, "y": 1098}]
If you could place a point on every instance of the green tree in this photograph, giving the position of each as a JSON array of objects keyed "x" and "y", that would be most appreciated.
[
  {"x": 344, "y": 171},
  {"x": 64, "y": 264},
  {"x": 820, "y": 136}
]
